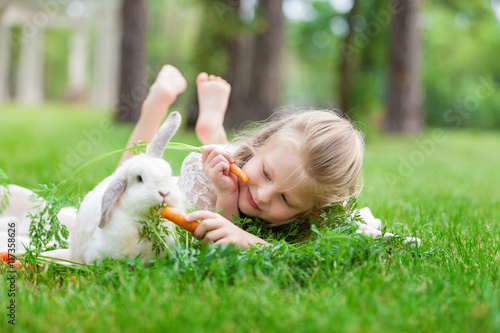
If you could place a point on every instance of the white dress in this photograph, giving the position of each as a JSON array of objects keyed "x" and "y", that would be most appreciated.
[{"x": 196, "y": 187}]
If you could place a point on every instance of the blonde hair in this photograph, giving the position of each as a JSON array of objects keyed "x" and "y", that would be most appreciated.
[{"x": 330, "y": 148}]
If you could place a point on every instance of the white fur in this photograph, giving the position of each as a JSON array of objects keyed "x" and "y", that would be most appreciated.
[{"x": 106, "y": 224}]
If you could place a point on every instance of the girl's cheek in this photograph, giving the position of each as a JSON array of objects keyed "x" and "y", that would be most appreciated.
[{"x": 249, "y": 171}]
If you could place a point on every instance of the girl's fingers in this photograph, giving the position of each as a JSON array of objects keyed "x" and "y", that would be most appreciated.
[
  {"x": 212, "y": 227},
  {"x": 222, "y": 240},
  {"x": 200, "y": 231},
  {"x": 221, "y": 154},
  {"x": 217, "y": 161},
  {"x": 201, "y": 215},
  {"x": 222, "y": 167},
  {"x": 209, "y": 153},
  {"x": 214, "y": 236},
  {"x": 205, "y": 227},
  {"x": 205, "y": 152},
  {"x": 204, "y": 217}
]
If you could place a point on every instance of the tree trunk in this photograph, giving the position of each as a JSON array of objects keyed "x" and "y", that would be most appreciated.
[
  {"x": 220, "y": 20},
  {"x": 252, "y": 60},
  {"x": 237, "y": 76},
  {"x": 264, "y": 91},
  {"x": 345, "y": 68},
  {"x": 132, "y": 87},
  {"x": 404, "y": 96}
]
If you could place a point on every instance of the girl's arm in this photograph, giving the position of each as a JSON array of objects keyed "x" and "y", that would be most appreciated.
[
  {"x": 228, "y": 205},
  {"x": 215, "y": 228}
]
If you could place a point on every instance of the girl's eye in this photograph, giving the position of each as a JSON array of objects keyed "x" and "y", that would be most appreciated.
[
  {"x": 139, "y": 178},
  {"x": 264, "y": 171},
  {"x": 285, "y": 199}
]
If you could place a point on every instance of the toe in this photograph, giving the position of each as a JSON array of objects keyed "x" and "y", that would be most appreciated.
[
  {"x": 202, "y": 77},
  {"x": 211, "y": 77}
]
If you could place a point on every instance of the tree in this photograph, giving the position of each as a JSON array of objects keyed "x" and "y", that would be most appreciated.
[
  {"x": 265, "y": 76},
  {"x": 132, "y": 89},
  {"x": 404, "y": 95},
  {"x": 345, "y": 67},
  {"x": 246, "y": 54},
  {"x": 237, "y": 75},
  {"x": 218, "y": 49}
]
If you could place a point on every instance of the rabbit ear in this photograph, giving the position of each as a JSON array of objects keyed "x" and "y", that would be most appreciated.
[
  {"x": 164, "y": 134},
  {"x": 110, "y": 197}
]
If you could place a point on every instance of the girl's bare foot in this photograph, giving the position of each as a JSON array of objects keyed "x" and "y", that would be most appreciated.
[
  {"x": 213, "y": 95},
  {"x": 168, "y": 85}
]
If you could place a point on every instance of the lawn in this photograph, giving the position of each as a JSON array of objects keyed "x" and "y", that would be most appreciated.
[{"x": 441, "y": 186}]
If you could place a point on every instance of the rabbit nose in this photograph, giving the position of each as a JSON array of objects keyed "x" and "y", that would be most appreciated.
[{"x": 164, "y": 194}]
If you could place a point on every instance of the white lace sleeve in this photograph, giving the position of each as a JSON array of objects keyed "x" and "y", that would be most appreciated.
[{"x": 196, "y": 187}]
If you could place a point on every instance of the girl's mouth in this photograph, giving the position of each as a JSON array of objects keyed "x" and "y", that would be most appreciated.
[{"x": 250, "y": 200}]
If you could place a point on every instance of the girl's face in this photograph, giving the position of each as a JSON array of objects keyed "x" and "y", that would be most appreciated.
[{"x": 268, "y": 171}]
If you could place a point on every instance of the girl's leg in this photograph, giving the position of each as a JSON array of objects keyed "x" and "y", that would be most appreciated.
[
  {"x": 213, "y": 95},
  {"x": 168, "y": 85}
]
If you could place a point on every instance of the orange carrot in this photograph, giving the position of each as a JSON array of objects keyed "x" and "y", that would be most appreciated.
[
  {"x": 19, "y": 266},
  {"x": 238, "y": 172},
  {"x": 4, "y": 256},
  {"x": 179, "y": 218}
]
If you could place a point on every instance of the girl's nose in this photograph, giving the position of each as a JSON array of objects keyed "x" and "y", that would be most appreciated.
[{"x": 265, "y": 194}]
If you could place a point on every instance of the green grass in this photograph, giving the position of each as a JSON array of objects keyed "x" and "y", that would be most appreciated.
[
  {"x": 45, "y": 144},
  {"x": 444, "y": 191}
]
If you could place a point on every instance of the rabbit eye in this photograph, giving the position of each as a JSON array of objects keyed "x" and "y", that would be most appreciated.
[{"x": 139, "y": 178}]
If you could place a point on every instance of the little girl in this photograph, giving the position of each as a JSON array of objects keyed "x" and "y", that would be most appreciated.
[{"x": 297, "y": 163}]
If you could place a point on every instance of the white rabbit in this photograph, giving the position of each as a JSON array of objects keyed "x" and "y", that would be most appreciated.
[{"x": 106, "y": 224}]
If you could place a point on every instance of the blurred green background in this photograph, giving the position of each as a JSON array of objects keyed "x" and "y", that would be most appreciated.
[{"x": 459, "y": 68}]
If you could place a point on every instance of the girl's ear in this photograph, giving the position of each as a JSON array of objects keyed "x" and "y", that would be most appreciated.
[
  {"x": 159, "y": 142},
  {"x": 110, "y": 197}
]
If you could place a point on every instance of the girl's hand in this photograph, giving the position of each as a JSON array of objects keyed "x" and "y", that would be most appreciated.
[
  {"x": 217, "y": 229},
  {"x": 215, "y": 165}
]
